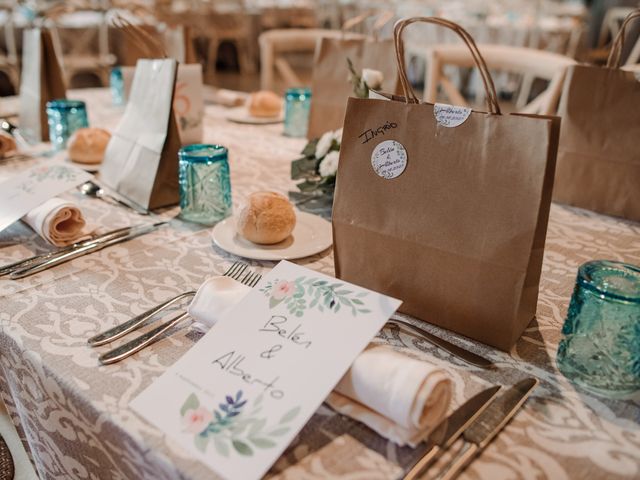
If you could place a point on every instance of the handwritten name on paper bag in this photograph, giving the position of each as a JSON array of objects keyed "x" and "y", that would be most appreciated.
[
  {"x": 450, "y": 116},
  {"x": 241, "y": 394},
  {"x": 24, "y": 192}
]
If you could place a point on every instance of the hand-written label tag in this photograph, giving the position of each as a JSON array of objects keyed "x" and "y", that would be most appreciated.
[
  {"x": 450, "y": 115},
  {"x": 389, "y": 159}
]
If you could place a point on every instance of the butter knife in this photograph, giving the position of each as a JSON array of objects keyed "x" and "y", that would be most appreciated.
[
  {"x": 11, "y": 267},
  {"x": 488, "y": 424},
  {"x": 83, "y": 250},
  {"x": 454, "y": 350},
  {"x": 449, "y": 430}
]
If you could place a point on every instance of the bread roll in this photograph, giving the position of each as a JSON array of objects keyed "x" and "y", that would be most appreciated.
[
  {"x": 7, "y": 144},
  {"x": 267, "y": 219},
  {"x": 87, "y": 145},
  {"x": 264, "y": 104}
]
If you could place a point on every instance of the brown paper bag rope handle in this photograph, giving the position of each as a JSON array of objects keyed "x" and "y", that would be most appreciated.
[
  {"x": 487, "y": 80},
  {"x": 618, "y": 43},
  {"x": 150, "y": 45},
  {"x": 383, "y": 18}
]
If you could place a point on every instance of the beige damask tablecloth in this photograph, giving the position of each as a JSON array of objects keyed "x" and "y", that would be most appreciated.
[{"x": 73, "y": 414}]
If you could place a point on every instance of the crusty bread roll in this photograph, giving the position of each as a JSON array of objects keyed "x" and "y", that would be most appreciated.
[
  {"x": 7, "y": 144},
  {"x": 264, "y": 104},
  {"x": 268, "y": 218},
  {"x": 87, "y": 145}
]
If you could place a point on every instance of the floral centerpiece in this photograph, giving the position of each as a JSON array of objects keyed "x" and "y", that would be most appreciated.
[{"x": 318, "y": 165}]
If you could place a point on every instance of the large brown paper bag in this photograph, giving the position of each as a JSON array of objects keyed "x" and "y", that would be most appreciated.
[
  {"x": 41, "y": 81},
  {"x": 141, "y": 160},
  {"x": 599, "y": 155},
  {"x": 459, "y": 234},
  {"x": 330, "y": 83}
]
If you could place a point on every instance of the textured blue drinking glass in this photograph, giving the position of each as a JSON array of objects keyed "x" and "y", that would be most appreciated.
[
  {"x": 205, "y": 185},
  {"x": 116, "y": 85},
  {"x": 65, "y": 117},
  {"x": 600, "y": 351},
  {"x": 296, "y": 111}
]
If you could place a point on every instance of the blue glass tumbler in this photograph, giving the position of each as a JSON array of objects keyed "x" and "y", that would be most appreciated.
[
  {"x": 297, "y": 105},
  {"x": 600, "y": 351},
  {"x": 205, "y": 184},
  {"x": 116, "y": 85},
  {"x": 65, "y": 117}
]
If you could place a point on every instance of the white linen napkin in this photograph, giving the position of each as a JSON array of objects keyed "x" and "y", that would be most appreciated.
[
  {"x": 58, "y": 221},
  {"x": 399, "y": 397}
]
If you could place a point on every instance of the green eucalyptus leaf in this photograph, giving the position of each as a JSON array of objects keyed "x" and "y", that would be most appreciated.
[
  {"x": 191, "y": 403},
  {"x": 221, "y": 446},
  {"x": 290, "y": 415},
  {"x": 257, "y": 426},
  {"x": 201, "y": 442},
  {"x": 242, "y": 448},
  {"x": 263, "y": 442}
]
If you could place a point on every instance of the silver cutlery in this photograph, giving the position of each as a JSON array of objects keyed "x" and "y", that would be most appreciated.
[
  {"x": 11, "y": 267},
  {"x": 83, "y": 250},
  {"x": 250, "y": 279},
  {"x": 454, "y": 350},
  {"x": 488, "y": 424},
  {"x": 92, "y": 189},
  {"x": 449, "y": 430},
  {"x": 235, "y": 271}
]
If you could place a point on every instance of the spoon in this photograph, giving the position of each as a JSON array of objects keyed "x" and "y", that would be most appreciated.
[{"x": 92, "y": 189}]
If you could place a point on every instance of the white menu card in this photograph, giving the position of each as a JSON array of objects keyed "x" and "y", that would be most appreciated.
[
  {"x": 238, "y": 398},
  {"x": 24, "y": 192}
]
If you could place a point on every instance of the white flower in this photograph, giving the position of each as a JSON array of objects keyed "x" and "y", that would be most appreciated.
[
  {"x": 329, "y": 165},
  {"x": 373, "y": 78},
  {"x": 337, "y": 136},
  {"x": 324, "y": 144}
]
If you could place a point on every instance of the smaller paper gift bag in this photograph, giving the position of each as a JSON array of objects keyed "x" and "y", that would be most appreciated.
[
  {"x": 188, "y": 100},
  {"x": 449, "y": 217},
  {"x": 141, "y": 160},
  {"x": 41, "y": 81},
  {"x": 330, "y": 82},
  {"x": 599, "y": 157}
]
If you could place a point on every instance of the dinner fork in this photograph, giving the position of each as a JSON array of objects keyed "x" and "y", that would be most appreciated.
[
  {"x": 250, "y": 279},
  {"x": 235, "y": 271}
]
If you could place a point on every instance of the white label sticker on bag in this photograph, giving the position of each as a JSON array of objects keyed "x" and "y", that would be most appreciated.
[
  {"x": 450, "y": 115},
  {"x": 389, "y": 159}
]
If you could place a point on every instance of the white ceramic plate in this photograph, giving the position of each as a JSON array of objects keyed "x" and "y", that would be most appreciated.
[
  {"x": 311, "y": 235},
  {"x": 241, "y": 115}
]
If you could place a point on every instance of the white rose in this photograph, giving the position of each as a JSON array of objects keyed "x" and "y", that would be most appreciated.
[
  {"x": 324, "y": 144},
  {"x": 337, "y": 136},
  {"x": 373, "y": 78},
  {"x": 329, "y": 165}
]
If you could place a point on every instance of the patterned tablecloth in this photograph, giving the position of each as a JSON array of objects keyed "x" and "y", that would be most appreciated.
[{"x": 73, "y": 415}]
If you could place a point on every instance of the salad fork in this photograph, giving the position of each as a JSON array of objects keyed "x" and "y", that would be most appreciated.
[{"x": 235, "y": 271}]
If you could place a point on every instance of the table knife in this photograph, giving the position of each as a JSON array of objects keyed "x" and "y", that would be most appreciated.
[
  {"x": 83, "y": 250},
  {"x": 11, "y": 267},
  {"x": 449, "y": 430},
  {"x": 454, "y": 350},
  {"x": 488, "y": 424}
]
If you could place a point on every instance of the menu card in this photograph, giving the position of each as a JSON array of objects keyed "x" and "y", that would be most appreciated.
[
  {"x": 24, "y": 192},
  {"x": 242, "y": 393}
]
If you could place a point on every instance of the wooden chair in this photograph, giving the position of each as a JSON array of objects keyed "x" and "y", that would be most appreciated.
[
  {"x": 515, "y": 60},
  {"x": 274, "y": 44}
]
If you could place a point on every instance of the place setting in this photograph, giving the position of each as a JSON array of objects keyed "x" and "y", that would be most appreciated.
[{"x": 319, "y": 246}]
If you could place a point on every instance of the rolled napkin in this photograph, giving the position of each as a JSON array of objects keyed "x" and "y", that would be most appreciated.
[
  {"x": 400, "y": 398},
  {"x": 58, "y": 221}
]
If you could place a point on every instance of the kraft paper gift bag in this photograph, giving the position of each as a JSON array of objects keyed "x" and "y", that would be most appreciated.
[
  {"x": 141, "y": 160},
  {"x": 188, "y": 100},
  {"x": 450, "y": 219},
  {"x": 41, "y": 81},
  {"x": 330, "y": 83},
  {"x": 599, "y": 155}
]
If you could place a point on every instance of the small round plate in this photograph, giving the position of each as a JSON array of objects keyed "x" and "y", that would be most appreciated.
[
  {"x": 312, "y": 234},
  {"x": 241, "y": 115}
]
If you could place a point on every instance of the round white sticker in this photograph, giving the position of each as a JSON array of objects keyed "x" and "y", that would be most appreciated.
[
  {"x": 389, "y": 159},
  {"x": 450, "y": 116}
]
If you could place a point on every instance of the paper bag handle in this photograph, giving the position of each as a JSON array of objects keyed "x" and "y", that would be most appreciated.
[
  {"x": 409, "y": 94},
  {"x": 618, "y": 43}
]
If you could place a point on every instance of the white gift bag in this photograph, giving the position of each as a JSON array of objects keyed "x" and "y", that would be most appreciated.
[
  {"x": 141, "y": 160},
  {"x": 188, "y": 101}
]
